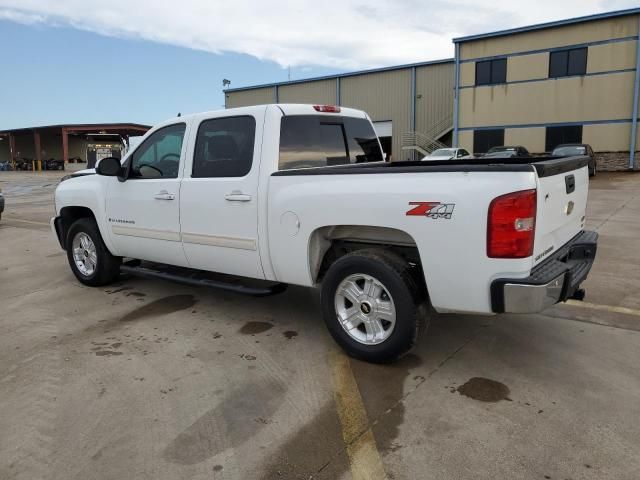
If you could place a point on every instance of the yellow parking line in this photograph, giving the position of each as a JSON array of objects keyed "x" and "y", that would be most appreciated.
[
  {"x": 362, "y": 451},
  {"x": 26, "y": 221},
  {"x": 606, "y": 308}
]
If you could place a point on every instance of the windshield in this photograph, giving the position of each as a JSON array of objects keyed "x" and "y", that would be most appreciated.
[
  {"x": 321, "y": 140},
  {"x": 443, "y": 152},
  {"x": 569, "y": 151}
]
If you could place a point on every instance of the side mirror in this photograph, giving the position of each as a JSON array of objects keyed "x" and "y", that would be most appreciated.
[{"x": 109, "y": 167}]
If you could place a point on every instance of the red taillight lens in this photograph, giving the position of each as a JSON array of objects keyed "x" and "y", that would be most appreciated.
[
  {"x": 511, "y": 225},
  {"x": 327, "y": 108}
]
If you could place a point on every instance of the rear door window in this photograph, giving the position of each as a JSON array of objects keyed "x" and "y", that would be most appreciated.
[
  {"x": 224, "y": 147},
  {"x": 316, "y": 141}
]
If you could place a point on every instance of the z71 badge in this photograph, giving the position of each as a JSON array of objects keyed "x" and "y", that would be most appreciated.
[{"x": 432, "y": 209}]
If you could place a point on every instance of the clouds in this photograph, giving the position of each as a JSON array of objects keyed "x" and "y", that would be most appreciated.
[{"x": 340, "y": 34}]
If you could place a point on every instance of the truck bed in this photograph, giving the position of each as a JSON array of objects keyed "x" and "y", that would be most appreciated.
[{"x": 544, "y": 166}]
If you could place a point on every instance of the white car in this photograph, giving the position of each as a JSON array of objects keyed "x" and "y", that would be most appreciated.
[
  {"x": 447, "y": 154},
  {"x": 300, "y": 194}
]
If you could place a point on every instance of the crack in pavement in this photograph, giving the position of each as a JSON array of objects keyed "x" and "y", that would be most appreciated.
[{"x": 615, "y": 212}]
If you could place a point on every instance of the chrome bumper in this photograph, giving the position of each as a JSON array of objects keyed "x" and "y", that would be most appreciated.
[
  {"x": 522, "y": 298},
  {"x": 554, "y": 280}
]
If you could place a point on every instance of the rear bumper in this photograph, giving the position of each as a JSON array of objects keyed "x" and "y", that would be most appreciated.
[{"x": 554, "y": 280}]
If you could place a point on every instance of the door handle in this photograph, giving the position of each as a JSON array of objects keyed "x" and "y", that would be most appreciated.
[
  {"x": 164, "y": 195},
  {"x": 237, "y": 197}
]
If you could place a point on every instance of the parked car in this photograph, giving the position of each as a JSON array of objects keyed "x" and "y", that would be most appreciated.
[
  {"x": 574, "y": 149},
  {"x": 507, "y": 152},
  {"x": 53, "y": 164},
  {"x": 300, "y": 194},
  {"x": 447, "y": 154},
  {"x": 24, "y": 164},
  {"x": 1, "y": 203}
]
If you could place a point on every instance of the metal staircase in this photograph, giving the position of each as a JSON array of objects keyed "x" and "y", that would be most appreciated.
[{"x": 427, "y": 142}]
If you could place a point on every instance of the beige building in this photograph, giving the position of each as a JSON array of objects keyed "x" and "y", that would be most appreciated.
[
  {"x": 411, "y": 105},
  {"x": 572, "y": 81}
]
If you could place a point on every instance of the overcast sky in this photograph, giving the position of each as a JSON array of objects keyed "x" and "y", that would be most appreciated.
[{"x": 257, "y": 40}]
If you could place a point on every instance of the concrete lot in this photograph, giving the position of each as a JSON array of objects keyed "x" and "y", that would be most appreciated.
[{"x": 151, "y": 380}]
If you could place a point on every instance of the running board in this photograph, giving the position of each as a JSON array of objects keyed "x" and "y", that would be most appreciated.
[{"x": 200, "y": 279}]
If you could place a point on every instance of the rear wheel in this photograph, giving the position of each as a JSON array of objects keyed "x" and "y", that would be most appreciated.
[
  {"x": 592, "y": 169},
  {"x": 372, "y": 305},
  {"x": 89, "y": 258}
]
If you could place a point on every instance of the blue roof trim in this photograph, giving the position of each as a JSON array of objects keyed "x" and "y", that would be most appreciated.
[
  {"x": 557, "y": 23},
  {"x": 555, "y": 124},
  {"x": 341, "y": 75}
]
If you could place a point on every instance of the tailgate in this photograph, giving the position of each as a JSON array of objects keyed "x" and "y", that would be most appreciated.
[{"x": 563, "y": 186}]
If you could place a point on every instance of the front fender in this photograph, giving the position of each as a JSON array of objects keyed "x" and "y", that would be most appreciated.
[{"x": 87, "y": 191}]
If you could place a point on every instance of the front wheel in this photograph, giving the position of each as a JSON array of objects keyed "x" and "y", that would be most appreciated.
[
  {"x": 89, "y": 258},
  {"x": 372, "y": 305}
]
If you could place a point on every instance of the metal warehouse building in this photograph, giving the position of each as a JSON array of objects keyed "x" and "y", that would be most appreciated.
[
  {"x": 79, "y": 142},
  {"x": 409, "y": 104},
  {"x": 570, "y": 81}
]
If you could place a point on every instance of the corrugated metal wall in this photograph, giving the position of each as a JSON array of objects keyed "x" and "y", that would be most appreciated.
[
  {"x": 323, "y": 92},
  {"x": 255, "y": 96},
  {"x": 434, "y": 95},
  {"x": 384, "y": 96}
]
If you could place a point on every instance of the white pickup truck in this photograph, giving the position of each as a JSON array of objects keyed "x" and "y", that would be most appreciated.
[{"x": 300, "y": 194}]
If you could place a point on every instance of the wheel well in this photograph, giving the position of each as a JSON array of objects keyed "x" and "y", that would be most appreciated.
[
  {"x": 328, "y": 244},
  {"x": 68, "y": 215}
]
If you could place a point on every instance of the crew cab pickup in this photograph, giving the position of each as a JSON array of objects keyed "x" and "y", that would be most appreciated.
[{"x": 300, "y": 194}]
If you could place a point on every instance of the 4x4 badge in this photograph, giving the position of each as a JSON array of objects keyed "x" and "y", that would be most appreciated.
[{"x": 431, "y": 209}]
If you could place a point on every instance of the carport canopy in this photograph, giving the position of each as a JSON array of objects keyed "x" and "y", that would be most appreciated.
[{"x": 125, "y": 130}]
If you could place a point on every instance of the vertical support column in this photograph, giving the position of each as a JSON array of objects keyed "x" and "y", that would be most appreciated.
[
  {"x": 12, "y": 150},
  {"x": 65, "y": 146},
  {"x": 38, "y": 149},
  {"x": 413, "y": 99},
  {"x": 412, "y": 120},
  {"x": 338, "y": 99},
  {"x": 636, "y": 93},
  {"x": 456, "y": 95}
]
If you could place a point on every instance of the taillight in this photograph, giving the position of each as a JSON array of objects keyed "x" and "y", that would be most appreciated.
[
  {"x": 327, "y": 108},
  {"x": 511, "y": 225}
]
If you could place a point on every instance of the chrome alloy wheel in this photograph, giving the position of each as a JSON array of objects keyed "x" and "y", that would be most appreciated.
[
  {"x": 365, "y": 309},
  {"x": 84, "y": 254}
]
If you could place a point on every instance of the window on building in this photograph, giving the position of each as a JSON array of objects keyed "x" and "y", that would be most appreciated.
[
  {"x": 564, "y": 63},
  {"x": 559, "y": 135},
  {"x": 224, "y": 147},
  {"x": 483, "y": 140},
  {"x": 489, "y": 72}
]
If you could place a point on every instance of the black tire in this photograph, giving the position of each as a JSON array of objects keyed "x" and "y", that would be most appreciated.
[
  {"x": 107, "y": 267},
  {"x": 409, "y": 297}
]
